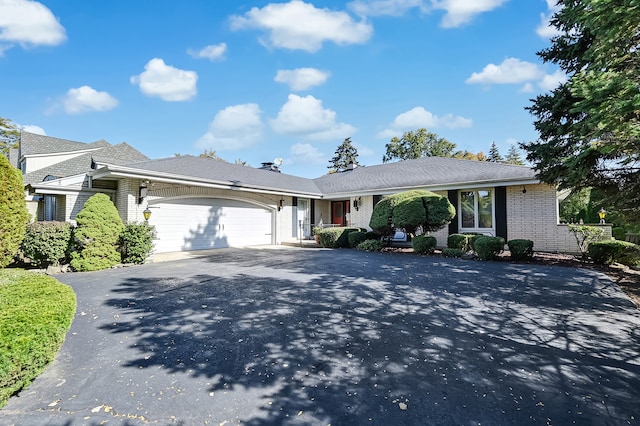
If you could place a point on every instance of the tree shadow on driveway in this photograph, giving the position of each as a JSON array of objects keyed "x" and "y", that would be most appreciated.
[{"x": 346, "y": 337}]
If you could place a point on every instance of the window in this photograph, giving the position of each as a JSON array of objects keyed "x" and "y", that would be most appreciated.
[{"x": 476, "y": 209}]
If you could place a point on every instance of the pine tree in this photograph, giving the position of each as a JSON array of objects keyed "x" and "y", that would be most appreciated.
[
  {"x": 513, "y": 156},
  {"x": 494, "y": 154},
  {"x": 345, "y": 154},
  {"x": 9, "y": 136}
]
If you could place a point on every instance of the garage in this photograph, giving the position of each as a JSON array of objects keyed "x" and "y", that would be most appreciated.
[{"x": 205, "y": 223}]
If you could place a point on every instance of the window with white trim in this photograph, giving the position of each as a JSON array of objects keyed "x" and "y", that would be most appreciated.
[{"x": 476, "y": 210}]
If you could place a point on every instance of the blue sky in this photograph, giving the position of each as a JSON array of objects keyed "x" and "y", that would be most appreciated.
[{"x": 257, "y": 80}]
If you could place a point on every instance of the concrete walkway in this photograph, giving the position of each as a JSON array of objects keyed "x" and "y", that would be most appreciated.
[{"x": 341, "y": 337}]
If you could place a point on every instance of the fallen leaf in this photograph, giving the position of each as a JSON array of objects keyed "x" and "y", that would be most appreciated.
[{"x": 402, "y": 406}]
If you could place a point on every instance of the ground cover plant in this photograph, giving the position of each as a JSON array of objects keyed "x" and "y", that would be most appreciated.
[{"x": 35, "y": 314}]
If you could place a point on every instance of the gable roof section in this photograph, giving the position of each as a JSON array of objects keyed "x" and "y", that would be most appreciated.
[
  {"x": 211, "y": 171},
  {"x": 423, "y": 172},
  {"x": 116, "y": 154},
  {"x": 33, "y": 144}
]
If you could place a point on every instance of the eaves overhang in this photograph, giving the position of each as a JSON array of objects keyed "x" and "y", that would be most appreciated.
[{"x": 114, "y": 171}]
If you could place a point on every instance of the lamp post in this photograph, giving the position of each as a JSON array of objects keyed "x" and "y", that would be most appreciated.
[
  {"x": 601, "y": 214},
  {"x": 147, "y": 214}
]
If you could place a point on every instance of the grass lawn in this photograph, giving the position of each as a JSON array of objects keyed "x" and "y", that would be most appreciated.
[{"x": 35, "y": 314}]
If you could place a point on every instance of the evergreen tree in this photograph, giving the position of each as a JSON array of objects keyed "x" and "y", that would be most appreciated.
[
  {"x": 13, "y": 211},
  {"x": 344, "y": 155},
  {"x": 494, "y": 154},
  {"x": 9, "y": 136},
  {"x": 513, "y": 156}
]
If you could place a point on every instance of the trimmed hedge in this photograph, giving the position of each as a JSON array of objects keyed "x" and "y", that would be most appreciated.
[
  {"x": 47, "y": 243},
  {"x": 356, "y": 238},
  {"x": 335, "y": 237},
  {"x": 35, "y": 314},
  {"x": 452, "y": 252},
  {"x": 424, "y": 244},
  {"x": 13, "y": 211},
  {"x": 614, "y": 251},
  {"x": 457, "y": 241},
  {"x": 487, "y": 248},
  {"x": 371, "y": 245},
  {"x": 521, "y": 249}
]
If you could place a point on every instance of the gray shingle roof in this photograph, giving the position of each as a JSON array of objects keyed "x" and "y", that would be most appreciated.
[
  {"x": 208, "y": 169},
  {"x": 428, "y": 171},
  {"x": 113, "y": 154},
  {"x": 31, "y": 143}
]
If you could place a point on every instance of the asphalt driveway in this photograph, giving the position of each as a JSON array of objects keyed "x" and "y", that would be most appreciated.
[{"x": 340, "y": 337}]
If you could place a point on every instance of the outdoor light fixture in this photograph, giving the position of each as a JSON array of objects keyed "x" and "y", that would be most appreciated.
[
  {"x": 357, "y": 203},
  {"x": 280, "y": 204},
  {"x": 524, "y": 189},
  {"x": 147, "y": 214},
  {"x": 142, "y": 192},
  {"x": 602, "y": 213}
]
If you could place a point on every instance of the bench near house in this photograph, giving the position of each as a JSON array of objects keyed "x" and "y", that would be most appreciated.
[{"x": 198, "y": 203}]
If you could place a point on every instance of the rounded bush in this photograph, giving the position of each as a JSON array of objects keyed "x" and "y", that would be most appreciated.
[
  {"x": 13, "y": 211},
  {"x": 424, "y": 244},
  {"x": 488, "y": 248},
  {"x": 47, "y": 243},
  {"x": 471, "y": 240},
  {"x": 356, "y": 238},
  {"x": 452, "y": 252},
  {"x": 370, "y": 245},
  {"x": 136, "y": 242},
  {"x": 614, "y": 251},
  {"x": 521, "y": 249},
  {"x": 457, "y": 241},
  {"x": 335, "y": 237},
  {"x": 371, "y": 235}
]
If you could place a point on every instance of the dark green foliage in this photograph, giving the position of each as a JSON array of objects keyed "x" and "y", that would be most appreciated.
[
  {"x": 618, "y": 233},
  {"x": 452, "y": 252},
  {"x": 136, "y": 242},
  {"x": 356, "y": 238},
  {"x": 370, "y": 245},
  {"x": 344, "y": 155},
  {"x": 488, "y": 248},
  {"x": 424, "y": 244},
  {"x": 335, "y": 237},
  {"x": 47, "y": 243},
  {"x": 614, "y": 251},
  {"x": 471, "y": 241},
  {"x": 96, "y": 236},
  {"x": 35, "y": 313},
  {"x": 521, "y": 249},
  {"x": 417, "y": 144},
  {"x": 371, "y": 235},
  {"x": 458, "y": 241},
  {"x": 411, "y": 211},
  {"x": 13, "y": 211}
]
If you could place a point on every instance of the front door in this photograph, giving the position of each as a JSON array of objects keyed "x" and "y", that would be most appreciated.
[{"x": 340, "y": 213}]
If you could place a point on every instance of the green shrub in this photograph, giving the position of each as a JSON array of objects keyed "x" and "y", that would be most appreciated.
[
  {"x": 411, "y": 211},
  {"x": 614, "y": 251},
  {"x": 356, "y": 238},
  {"x": 96, "y": 236},
  {"x": 521, "y": 249},
  {"x": 370, "y": 245},
  {"x": 136, "y": 242},
  {"x": 35, "y": 314},
  {"x": 452, "y": 252},
  {"x": 13, "y": 211},
  {"x": 618, "y": 233},
  {"x": 488, "y": 248},
  {"x": 335, "y": 237},
  {"x": 586, "y": 235},
  {"x": 424, "y": 244},
  {"x": 372, "y": 235},
  {"x": 47, "y": 243},
  {"x": 471, "y": 240},
  {"x": 458, "y": 241}
]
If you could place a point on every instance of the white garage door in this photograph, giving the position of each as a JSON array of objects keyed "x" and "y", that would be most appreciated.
[{"x": 204, "y": 223}]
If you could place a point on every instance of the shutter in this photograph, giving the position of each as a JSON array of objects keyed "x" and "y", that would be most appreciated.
[
  {"x": 501, "y": 212},
  {"x": 453, "y": 199}
]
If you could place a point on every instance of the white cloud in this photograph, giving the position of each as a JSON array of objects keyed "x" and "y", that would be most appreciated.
[
  {"x": 304, "y": 153},
  {"x": 527, "y": 88},
  {"x": 551, "y": 81},
  {"x": 87, "y": 99},
  {"x": 511, "y": 70},
  {"x": 385, "y": 7},
  {"x": 213, "y": 52},
  {"x": 301, "y": 26},
  {"x": 233, "y": 128},
  {"x": 302, "y": 78},
  {"x": 460, "y": 12},
  {"x": 33, "y": 129},
  {"x": 166, "y": 82},
  {"x": 29, "y": 23},
  {"x": 545, "y": 29},
  {"x": 306, "y": 116},
  {"x": 419, "y": 117}
]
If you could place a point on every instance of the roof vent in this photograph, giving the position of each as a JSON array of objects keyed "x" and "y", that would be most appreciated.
[{"x": 351, "y": 166}]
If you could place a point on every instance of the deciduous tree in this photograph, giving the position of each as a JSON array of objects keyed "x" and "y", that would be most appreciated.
[{"x": 417, "y": 144}]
